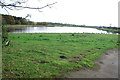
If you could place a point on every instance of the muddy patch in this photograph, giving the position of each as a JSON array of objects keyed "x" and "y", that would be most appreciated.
[
  {"x": 63, "y": 57},
  {"x": 106, "y": 67}
]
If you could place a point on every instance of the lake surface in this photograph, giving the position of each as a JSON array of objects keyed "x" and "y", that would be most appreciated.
[{"x": 55, "y": 30}]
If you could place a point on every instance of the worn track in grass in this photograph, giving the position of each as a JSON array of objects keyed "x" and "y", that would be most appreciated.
[{"x": 108, "y": 67}]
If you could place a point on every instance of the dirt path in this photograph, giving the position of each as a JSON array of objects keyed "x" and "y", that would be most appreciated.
[{"x": 107, "y": 67}]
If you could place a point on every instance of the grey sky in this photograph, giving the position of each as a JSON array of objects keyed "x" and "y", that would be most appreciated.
[{"x": 88, "y": 12}]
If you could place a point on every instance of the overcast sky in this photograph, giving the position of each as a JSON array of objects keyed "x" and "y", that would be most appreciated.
[{"x": 81, "y": 12}]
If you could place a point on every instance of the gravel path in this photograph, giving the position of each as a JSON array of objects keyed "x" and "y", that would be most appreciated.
[{"x": 107, "y": 67}]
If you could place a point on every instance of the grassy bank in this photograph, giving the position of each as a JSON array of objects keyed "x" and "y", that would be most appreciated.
[
  {"x": 43, "y": 55},
  {"x": 116, "y": 30}
]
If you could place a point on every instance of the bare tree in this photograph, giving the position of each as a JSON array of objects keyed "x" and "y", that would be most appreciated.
[{"x": 16, "y": 5}]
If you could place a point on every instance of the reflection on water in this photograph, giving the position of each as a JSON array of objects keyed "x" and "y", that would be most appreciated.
[{"x": 55, "y": 30}]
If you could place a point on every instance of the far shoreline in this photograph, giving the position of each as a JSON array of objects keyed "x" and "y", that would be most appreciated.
[{"x": 26, "y": 26}]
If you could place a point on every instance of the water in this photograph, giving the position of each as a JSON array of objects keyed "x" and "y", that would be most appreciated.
[{"x": 55, "y": 30}]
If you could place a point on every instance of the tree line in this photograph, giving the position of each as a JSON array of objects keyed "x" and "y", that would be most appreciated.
[{"x": 13, "y": 20}]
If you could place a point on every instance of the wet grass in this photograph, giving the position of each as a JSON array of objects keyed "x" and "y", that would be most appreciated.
[{"x": 43, "y": 55}]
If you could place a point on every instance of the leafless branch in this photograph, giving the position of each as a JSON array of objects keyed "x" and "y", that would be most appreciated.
[
  {"x": 28, "y": 15},
  {"x": 17, "y": 6},
  {"x": 39, "y": 10},
  {"x": 6, "y": 10},
  {"x": 14, "y": 5}
]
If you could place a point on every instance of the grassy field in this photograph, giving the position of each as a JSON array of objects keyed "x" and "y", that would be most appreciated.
[{"x": 43, "y": 55}]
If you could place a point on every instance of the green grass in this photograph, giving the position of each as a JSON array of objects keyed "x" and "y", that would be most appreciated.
[{"x": 37, "y": 55}]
